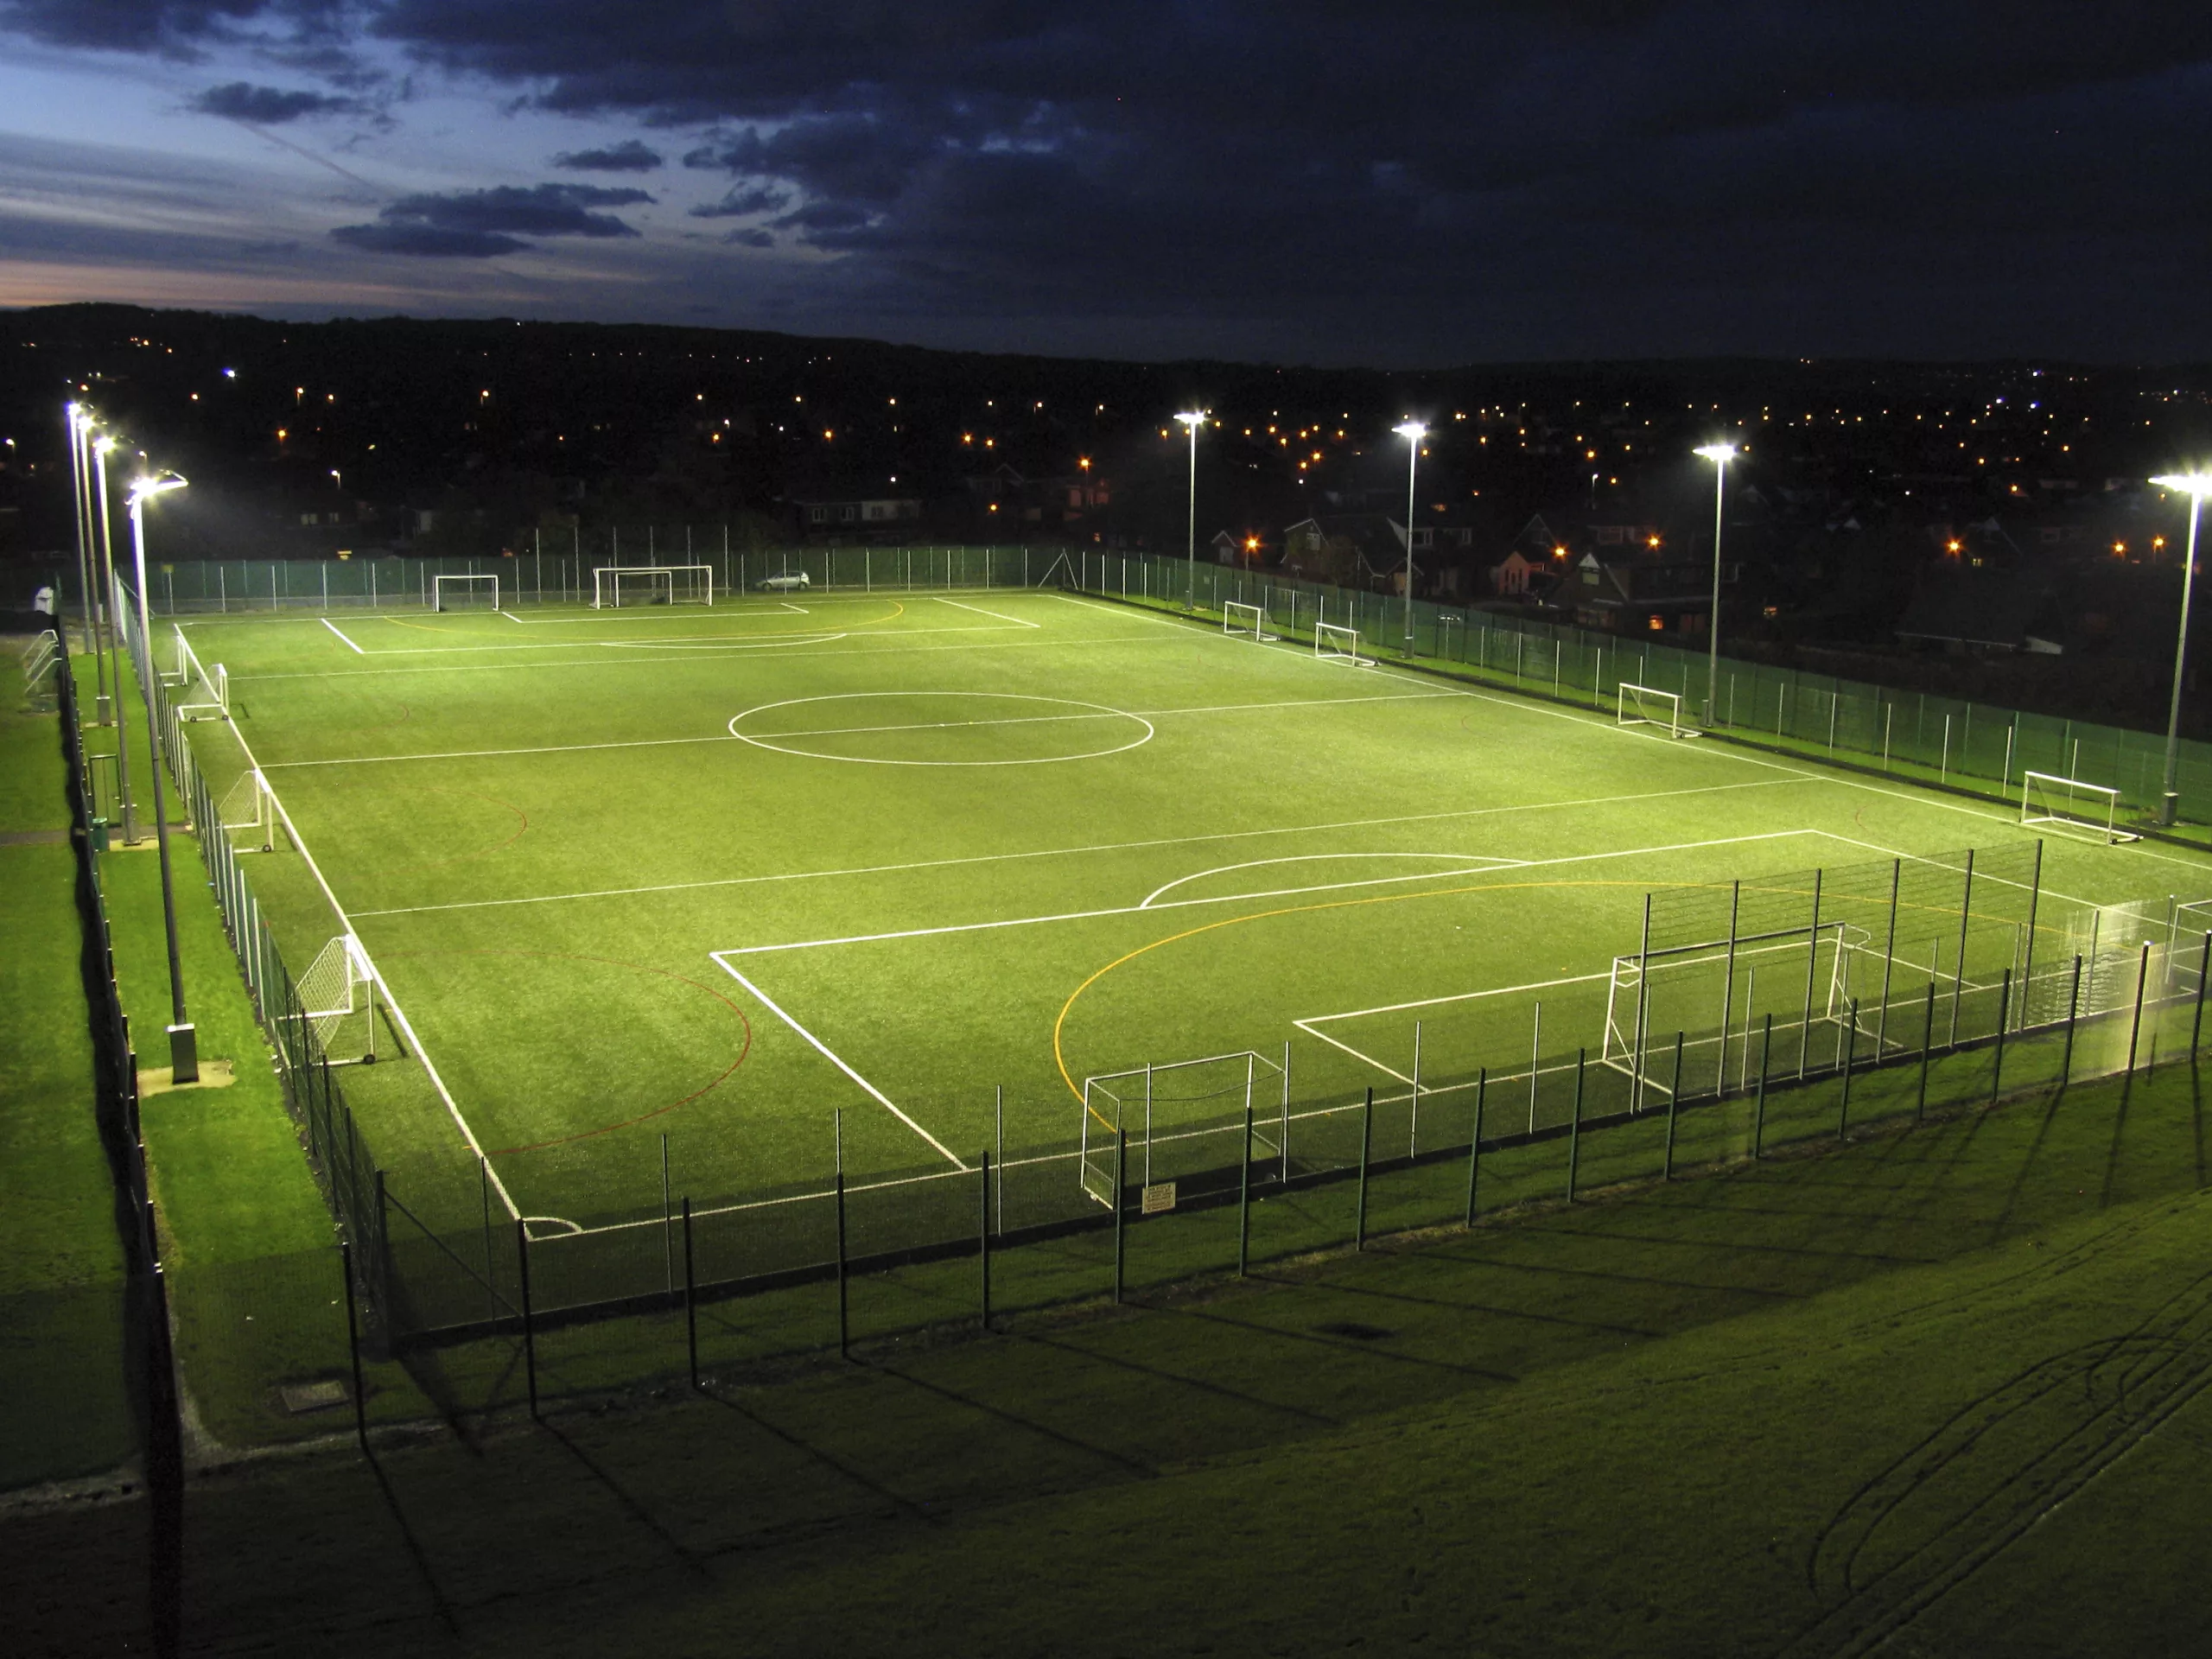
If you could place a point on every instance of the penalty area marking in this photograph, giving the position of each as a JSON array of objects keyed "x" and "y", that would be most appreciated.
[
  {"x": 827, "y": 1053},
  {"x": 1471, "y": 863},
  {"x": 979, "y": 611},
  {"x": 334, "y": 628}
]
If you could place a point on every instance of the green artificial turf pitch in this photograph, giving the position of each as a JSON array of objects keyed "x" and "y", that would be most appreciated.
[{"x": 715, "y": 873}]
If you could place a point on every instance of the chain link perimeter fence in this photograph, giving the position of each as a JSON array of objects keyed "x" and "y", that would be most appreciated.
[
  {"x": 1976, "y": 747},
  {"x": 1753, "y": 1015},
  {"x": 558, "y": 568}
]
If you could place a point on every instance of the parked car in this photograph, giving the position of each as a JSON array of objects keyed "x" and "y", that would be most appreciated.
[{"x": 786, "y": 583}]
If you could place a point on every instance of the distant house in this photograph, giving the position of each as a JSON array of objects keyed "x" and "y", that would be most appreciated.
[
  {"x": 1641, "y": 597},
  {"x": 1352, "y": 550},
  {"x": 1516, "y": 575},
  {"x": 852, "y": 517}
]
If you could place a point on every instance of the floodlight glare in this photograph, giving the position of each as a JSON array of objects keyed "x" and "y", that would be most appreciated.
[
  {"x": 2195, "y": 486},
  {"x": 1720, "y": 454},
  {"x": 1193, "y": 418},
  {"x": 147, "y": 487},
  {"x": 1411, "y": 431}
]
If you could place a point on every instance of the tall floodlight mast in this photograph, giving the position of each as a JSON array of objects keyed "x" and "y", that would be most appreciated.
[
  {"x": 1719, "y": 454},
  {"x": 1192, "y": 419},
  {"x": 2196, "y": 486},
  {"x": 184, "y": 1048},
  {"x": 1413, "y": 432}
]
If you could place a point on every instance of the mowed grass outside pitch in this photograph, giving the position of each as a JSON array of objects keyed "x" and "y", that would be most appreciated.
[{"x": 717, "y": 874}]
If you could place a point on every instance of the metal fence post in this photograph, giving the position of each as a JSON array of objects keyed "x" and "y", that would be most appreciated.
[
  {"x": 2135, "y": 1025},
  {"x": 1574, "y": 1126},
  {"x": 1674, "y": 1100},
  {"x": 1244, "y": 1193},
  {"x": 1120, "y": 1203},
  {"x": 844, "y": 1309},
  {"x": 2004, "y": 1013},
  {"x": 1474, "y": 1142},
  {"x": 528, "y": 1328},
  {"x": 2196, "y": 1025},
  {"x": 353, "y": 1347},
  {"x": 983, "y": 1234},
  {"x": 1926, "y": 1042},
  {"x": 2073, "y": 1010},
  {"x": 1366, "y": 1142},
  {"x": 690, "y": 1298},
  {"x": 1758, "y": 1109},
  {"x": 1850, "y": 1054}
]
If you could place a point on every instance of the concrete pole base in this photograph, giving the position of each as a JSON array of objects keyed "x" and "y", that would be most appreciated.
[{"x": 184, "y": 1055}]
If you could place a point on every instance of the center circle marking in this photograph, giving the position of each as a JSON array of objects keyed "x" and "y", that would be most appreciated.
[{"x": 1091, "y": 711}]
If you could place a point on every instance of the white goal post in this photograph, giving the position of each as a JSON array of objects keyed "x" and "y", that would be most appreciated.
[
  {"x": 207, "y": 692},
  {"x": 2090, "y": 810},
  {"x": 329, "y": 1004},
  {"x": 615, "y": 585},
  {"x": 1335, "y": 643},
  {"x": 1647, "y": 705},
  {"x": 1242, "y": 621},
  {"x": 464, "y": 593}
]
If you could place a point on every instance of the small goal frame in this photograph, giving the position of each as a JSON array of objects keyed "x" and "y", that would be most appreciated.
[
  {"x": 1632, "y": 711},
  {"x": 438, "y": 591},
  {"x": 191, "y": 674},
  {"x": 1330, "y": 644},
  {"x": 327, "y": 998},
  {"x": 251, "y": 805},
  {"x": 2048, "y": 798},
  {"x": 697, "y": 588},
  {"x": 1242, "y": 621}
]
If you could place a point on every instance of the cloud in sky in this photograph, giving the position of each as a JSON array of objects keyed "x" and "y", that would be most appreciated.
[
  {"x": 268, "y": 106},
  {"x": 1309, "y": 179},
  {"x": 630, "y": 155},
  {"x": 484, "y": 224}
]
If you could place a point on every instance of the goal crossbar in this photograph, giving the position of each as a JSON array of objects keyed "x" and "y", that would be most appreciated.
[
  {"x": 2071, "y": 804},
  {"x": 614, "y": 585}
]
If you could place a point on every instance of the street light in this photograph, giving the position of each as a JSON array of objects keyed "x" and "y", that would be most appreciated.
[
  {"x": 1193, "y": 419},
  {"x": 1413, "y": 432},
  {"x": 2196, "y": 486},
  {"x": 1719, "y": 454},
  {"x": 184, "y": 1051}
]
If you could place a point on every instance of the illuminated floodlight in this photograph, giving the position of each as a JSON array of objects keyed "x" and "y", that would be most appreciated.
[
  {"x": 2195, "y": 486},
  {"x": 1720, "y": 453}
]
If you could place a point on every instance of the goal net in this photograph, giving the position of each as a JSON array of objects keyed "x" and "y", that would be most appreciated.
[
  {"x": 465, "y": 593},
  {"x": 337, "y": 996},
  {"x": 248, "y": 806},
  {"x": 1333, "y": 642},
  {"x": 207, "y": 692},
  {"x": 2090, "y": 811},
  {"x": 615, "y": 587},
  {"x": 1646, "y": 705},
  {"x": 1176, "y": 1125},
  {"x": 1242, "y": 621}
]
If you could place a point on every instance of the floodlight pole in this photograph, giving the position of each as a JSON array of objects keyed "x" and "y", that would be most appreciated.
[
  {"x": 2196, "y": 484},
  {"x": 1413, "y": 432},
  {"x": 184, "y": 1052},
  {"x": 80, "y": 438},
  {"x": 121, "y": 724},
  {"x": 1193, "y": 421},
  {"x": 1719, "y": 454}
]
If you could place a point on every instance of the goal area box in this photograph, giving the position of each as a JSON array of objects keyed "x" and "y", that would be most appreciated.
[
  {"x": 2090, "y": 812},
  {"x": 620, "y": 586}
]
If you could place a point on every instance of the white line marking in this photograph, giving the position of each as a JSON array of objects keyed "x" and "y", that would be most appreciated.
[
  {"x": 1060, "y": 852},
  {"x": 958, "y": 605},
  {"x": 874, "y": 1093},
  {"x": 1369, "y": 1059},
  {"x": 391, "y": 1001},
  {"x": 1185, "y": 904},
  {"x": 1093, "y": 711},
  {"x": 1456, "y": 996},
  {"x": 511, "y": 617},
  {"x": 492, "y": 754},
  {"x": 332, "y": 627},
  {"x": 1485, "y": 862}
]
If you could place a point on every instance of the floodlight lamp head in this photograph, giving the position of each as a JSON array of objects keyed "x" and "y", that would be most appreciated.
[
  {"x": 1718, "y": 454},
  {"x": 2196, "y": 484},
  {"x": 104, "y": 443},
  {"x": 1411, "y": 431},
  {"x": 146, "y": 486},
  {"x": 1193, "y": 418}
]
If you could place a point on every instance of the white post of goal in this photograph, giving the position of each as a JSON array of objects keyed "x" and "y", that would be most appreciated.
[
  {"x": 1647, "y": 705},
  {"x": 465, "y": 593},
  {"x": 1334, "y": 642},
  {"x": 1242, "y": 621},
  {"x": 2071, "y": 804}
]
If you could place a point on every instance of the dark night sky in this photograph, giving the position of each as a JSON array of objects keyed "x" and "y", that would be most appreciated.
[{"x": 1307, "y": 180}]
